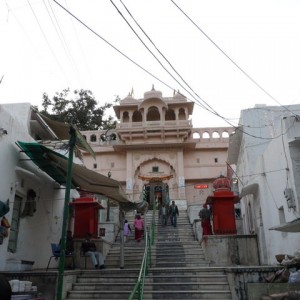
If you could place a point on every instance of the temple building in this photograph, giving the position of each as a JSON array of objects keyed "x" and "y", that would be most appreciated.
[{"x": 156, "y": 153}]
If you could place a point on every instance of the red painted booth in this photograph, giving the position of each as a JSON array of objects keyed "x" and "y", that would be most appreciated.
[
  {"x": 222, "y": 202},
  {"x": 86, "y": 210}
]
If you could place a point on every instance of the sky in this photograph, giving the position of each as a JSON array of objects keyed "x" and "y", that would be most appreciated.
[{"x": 225, "y": 55}]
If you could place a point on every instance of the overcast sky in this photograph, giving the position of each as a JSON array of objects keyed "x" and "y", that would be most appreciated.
[{"x": 45, "y": 49}]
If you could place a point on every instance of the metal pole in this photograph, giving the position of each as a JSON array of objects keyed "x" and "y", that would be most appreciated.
[
  {"x": 122, "y": 218},
  {"x": 66, "y": 215}
]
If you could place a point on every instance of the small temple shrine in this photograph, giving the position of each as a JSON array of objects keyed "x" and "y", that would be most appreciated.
[{"x": 222, "y": 203}]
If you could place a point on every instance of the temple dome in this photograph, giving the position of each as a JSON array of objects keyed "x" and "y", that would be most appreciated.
[
  {"x": 153, "y": 94},
  {"x": 221, "y": 183},
  {"x": 128, "y": 99}
]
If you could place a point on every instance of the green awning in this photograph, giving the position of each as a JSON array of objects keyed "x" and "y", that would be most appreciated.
[
  {"x": 55, "y": 165},
  {"x": 61, "y": 131},
  {"x": 39, "y": 154}
]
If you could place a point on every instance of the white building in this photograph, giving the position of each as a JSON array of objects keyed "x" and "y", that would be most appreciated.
[
  {"x": 265, "y": 150},
  {"x": 35, "y": 222}
]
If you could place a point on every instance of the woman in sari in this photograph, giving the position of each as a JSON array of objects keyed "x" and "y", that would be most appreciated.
[{"x": 138, "y": 228}]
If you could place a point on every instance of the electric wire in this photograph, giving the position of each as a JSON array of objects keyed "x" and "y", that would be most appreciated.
[
  {"x": 61, "y": 36},
  {"x": 161, "y": 64},
  {"x": 212, "y": 110},
  {"x": 230, "y": 59},
  {"x": 111, "y": 45},
  {"x": 45, "y": 37},
  {"x": 11, "y": 11},
  {"x": 285, "y": 156},
  {"x": 169, "y": 63},
  {"x": 86, "y": 64},
  {"x": 142, "y": 68}
]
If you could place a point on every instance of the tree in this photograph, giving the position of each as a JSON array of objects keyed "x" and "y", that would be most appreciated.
[{"x": 79, "y": 109}]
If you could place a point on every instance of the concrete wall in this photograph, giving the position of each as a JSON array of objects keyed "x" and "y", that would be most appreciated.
[
  {"x": 268, "y": 157},
  {"x": 228, "y": 250}
]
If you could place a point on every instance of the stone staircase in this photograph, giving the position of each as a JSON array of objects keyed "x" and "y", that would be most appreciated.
[
  {"x": 112, "y": 282},
  {"x": 178, "y": 271}
]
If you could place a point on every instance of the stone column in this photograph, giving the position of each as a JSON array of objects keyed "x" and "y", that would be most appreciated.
[
  {"x": 180, "y": 176},
  {"x": 129, "y": 174}
]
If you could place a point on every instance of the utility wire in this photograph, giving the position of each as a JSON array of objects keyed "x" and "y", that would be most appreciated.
[
  {"x": 131, "y": 60},
  {"x": 111, "y": 45},
  {"x": 45, "y": 37},
  {"x": 212, "y": 111},
  {"x": 86, "y": 64},
  {"x": 152, "y": 52},
  {"x": 61, "y": 36},
  {"x": 230, "y": 59},
  {"x": 169, "y": 63}
]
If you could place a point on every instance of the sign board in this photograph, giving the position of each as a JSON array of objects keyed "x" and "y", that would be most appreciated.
[{"x": 201, "y": 186}]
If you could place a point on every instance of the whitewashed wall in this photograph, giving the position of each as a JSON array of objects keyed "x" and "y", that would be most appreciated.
[{"x": 17, "y": 177}]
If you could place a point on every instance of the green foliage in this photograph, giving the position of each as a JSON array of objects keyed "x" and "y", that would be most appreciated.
[{"x": 79, "y": 108}]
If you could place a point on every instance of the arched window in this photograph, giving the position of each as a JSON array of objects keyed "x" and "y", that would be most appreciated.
[
  {"x": 125, "y": 117},
  {"x": 181, "y": 115},
  {"x": 170, "y": 115},
  {"x": 137, "y": 116},
  {"x": 153, "y": 114},
  {"x": 196, "y": 135},
  {"x": 84, "y": 136},
  {"x": 225, "y": 134},
  {"x": 215, "y": 135},
  {"x": 93, "y": 138},
  {"x": 205, "y": 135}
]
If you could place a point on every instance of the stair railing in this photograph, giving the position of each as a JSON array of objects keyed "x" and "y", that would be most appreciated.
[{"x": 138, "y": 289}]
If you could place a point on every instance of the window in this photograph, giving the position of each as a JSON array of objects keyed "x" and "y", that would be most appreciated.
[
  {"x": 95, "y": 166},
  {"x": 216, "y": 159},
  {"x": 93, "y": 138},
  {"x": 112, "y": 164},
  {"x": 154, "y": 169}
]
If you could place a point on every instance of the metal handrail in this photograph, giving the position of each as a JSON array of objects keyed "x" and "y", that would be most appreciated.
[{"x": 149, "y": 241}]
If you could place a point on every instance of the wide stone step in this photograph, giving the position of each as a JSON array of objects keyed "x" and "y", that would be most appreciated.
[
  {"x": 175, "y": 249},
  {"x": 185, "y": 295},
  {"x": 108, "y": 279},
  {"x": 186, "y": 256},
  {"x": 109, "y": 272},
  {"x": 127, "y": 265},
  {"x": 99, "y": 294},
  {"x": 124, "y": 286},
  {"x": 186, "y": 278},
  {"x": 187, "y": 286},
  {"x": 180, "y": 264},
  {"x": 190, "y": 271}
]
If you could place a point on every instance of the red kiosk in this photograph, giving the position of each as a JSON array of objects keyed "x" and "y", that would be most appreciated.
[
  {"x": 222, "y": 202},
  {"x": 86, "y": 216}
]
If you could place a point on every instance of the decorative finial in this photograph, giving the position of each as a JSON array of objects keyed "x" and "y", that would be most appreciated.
[{"x": 153, "y": 89}]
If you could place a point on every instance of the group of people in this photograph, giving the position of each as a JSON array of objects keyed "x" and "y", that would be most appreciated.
[
  {"x": 166, "y": 213},
  {"x": 138, "y": 225}
]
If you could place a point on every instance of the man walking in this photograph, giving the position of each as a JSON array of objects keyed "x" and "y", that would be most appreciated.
[
  {"x": 163, "y": 214},
  {"x": 173, "y": 211}
]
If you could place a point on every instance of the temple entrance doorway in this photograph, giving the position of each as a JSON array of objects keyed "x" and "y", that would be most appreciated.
[{"x": 156, "y": 191}]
